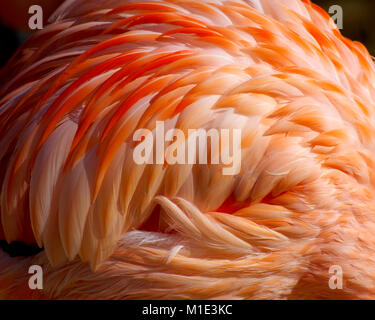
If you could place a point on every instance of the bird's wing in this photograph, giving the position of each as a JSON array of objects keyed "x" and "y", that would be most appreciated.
[{"x": 74, "y": 94}]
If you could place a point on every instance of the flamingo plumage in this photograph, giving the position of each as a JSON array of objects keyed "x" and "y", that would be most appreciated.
[{"x": 304, "y": 199}]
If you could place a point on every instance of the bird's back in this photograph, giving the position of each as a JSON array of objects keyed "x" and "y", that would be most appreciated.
[{"x": 299, "y": 200}]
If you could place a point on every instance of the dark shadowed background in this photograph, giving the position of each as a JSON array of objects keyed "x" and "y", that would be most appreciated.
[{"x": 358, "y": 21}]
